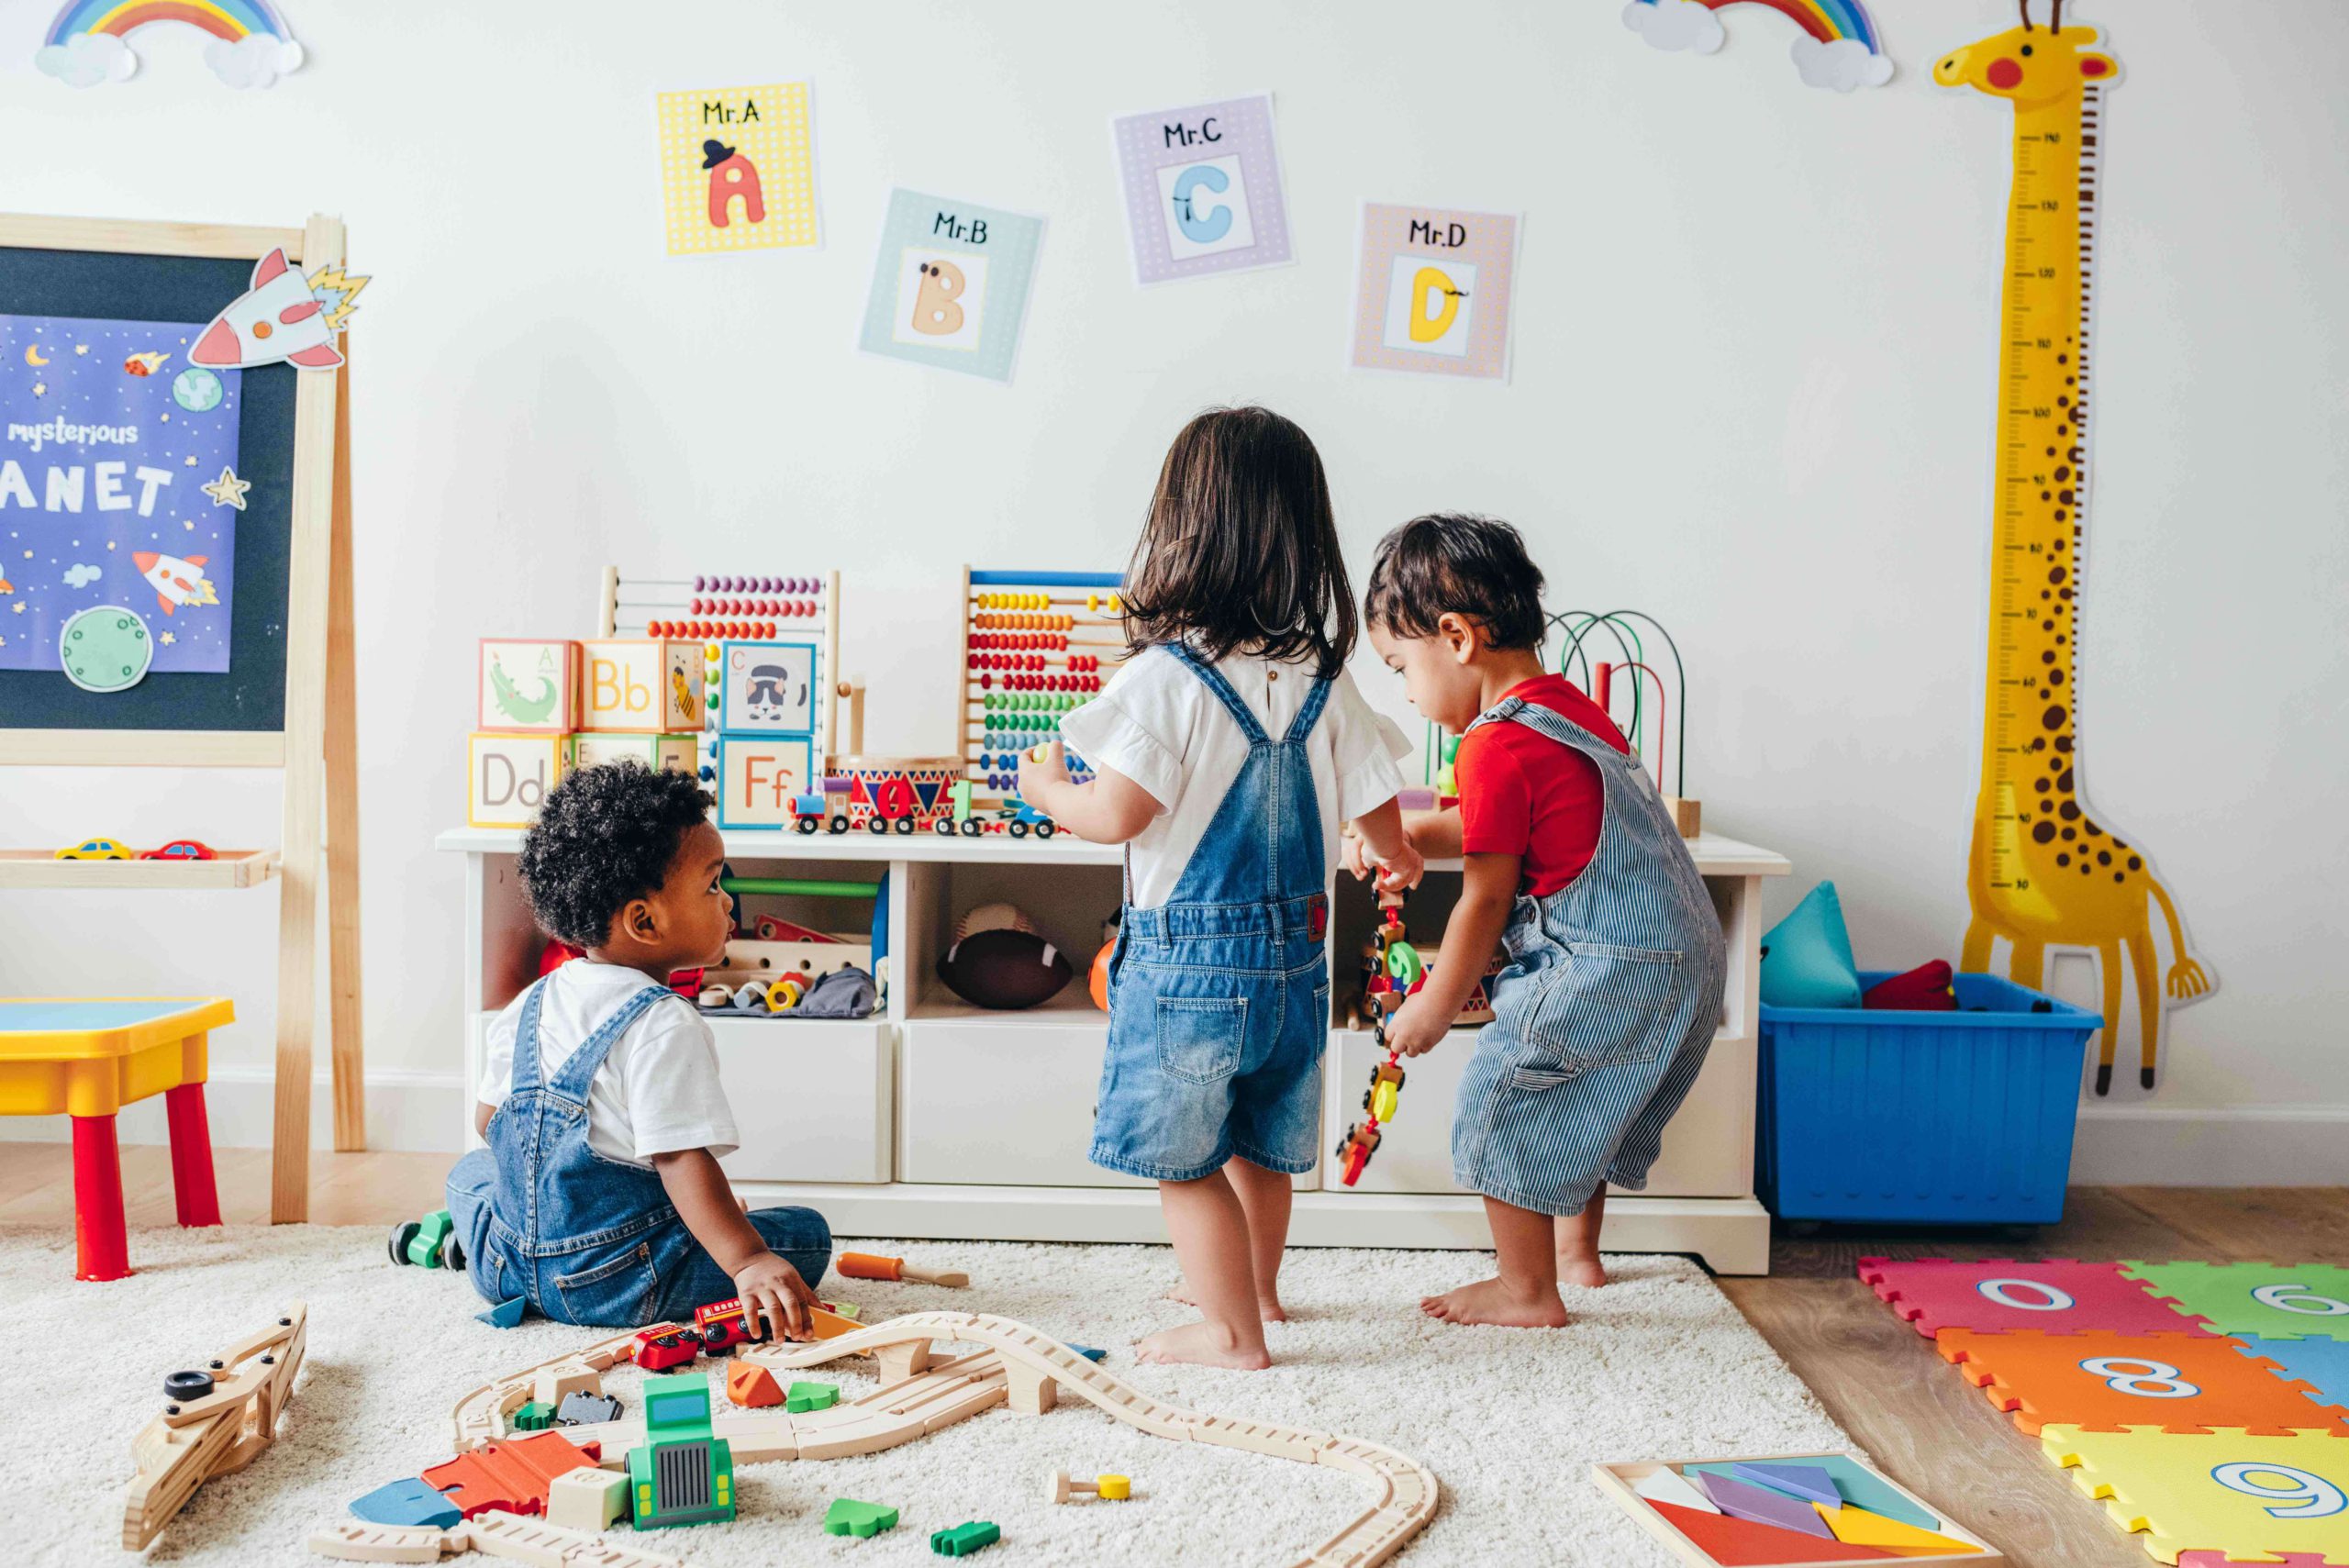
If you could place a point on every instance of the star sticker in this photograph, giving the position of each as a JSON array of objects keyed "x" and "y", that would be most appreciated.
[
  {"x": 228, "y": 489},
  {"x": 167, "y": 639},
  {"x": 81, "y": 348},
  {"x": 40, "y": 389}
]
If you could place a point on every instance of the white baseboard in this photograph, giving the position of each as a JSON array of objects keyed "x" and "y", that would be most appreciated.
[
  {"x": 2232, "y": 1146},
  {"x": 407, "y": 1111}
]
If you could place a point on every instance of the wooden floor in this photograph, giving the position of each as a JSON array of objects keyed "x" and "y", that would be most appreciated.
[{"x": 1925, "y": 1424}]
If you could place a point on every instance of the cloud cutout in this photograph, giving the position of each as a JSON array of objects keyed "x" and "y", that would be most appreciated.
[
  {"x": 257, "y": 60},
  {"x": 1843, "y": 64},
  {"x": 82, "y": 576},
  {"x": 1675, "y": 25},
  {"x": 87, "y": 58}
]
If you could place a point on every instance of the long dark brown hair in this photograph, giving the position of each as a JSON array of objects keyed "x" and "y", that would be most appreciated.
[{"x": 1240, "y": 550}]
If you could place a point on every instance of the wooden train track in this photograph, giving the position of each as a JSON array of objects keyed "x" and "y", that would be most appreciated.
[
  {"x": 920, "y": 1393},
  {"x": 192, "y": 1440}
]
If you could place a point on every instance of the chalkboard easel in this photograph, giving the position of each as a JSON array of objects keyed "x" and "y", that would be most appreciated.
[{"x": 287, "y": 699}]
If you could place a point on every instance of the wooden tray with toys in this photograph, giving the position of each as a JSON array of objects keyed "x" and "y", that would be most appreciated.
[{"x": 1784, "y": 1511}]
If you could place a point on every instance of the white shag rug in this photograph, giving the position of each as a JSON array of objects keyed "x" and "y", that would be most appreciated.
[{"x": 1658, "y": 1364}]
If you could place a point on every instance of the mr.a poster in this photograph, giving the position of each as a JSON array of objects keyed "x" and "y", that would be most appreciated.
[{"x": 118, "y": 488}]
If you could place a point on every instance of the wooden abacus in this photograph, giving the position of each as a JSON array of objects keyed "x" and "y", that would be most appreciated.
[
  {"x": 717, "y": 607},
  {"x": 1036, "y": 645}
]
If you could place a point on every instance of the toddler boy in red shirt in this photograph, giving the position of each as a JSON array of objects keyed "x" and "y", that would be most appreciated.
[{"x": 1602, "y": 1016}]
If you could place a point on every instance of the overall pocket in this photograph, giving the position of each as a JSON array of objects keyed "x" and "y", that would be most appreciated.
[
  {"x": 618, "y": 1292},
  {"x": 1604, "y": 1007},
  {"x": 1200, "y": 1037}
]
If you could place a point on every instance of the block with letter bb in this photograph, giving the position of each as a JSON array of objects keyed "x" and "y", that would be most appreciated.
[
  {"x": 507, "y": 776},
  {"x": 674, "y": 753},
  {"x": 650, "y": 686},
  {"x": 529, "y": 685},
  {"x": 758, "y": 779}
]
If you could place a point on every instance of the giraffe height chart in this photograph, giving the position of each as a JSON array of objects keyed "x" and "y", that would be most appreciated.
[{"x": 2042, "y": 871}]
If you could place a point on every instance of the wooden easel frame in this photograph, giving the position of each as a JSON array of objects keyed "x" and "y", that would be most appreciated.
[{"x": 317, "y": 747}]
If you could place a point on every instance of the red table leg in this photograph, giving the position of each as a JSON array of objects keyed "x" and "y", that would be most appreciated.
[
  {"x": 102, "y": 1250},
  {"x": 192, "y": 1184}
]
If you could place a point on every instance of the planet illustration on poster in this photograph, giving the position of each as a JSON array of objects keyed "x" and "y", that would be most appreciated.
[
  {"x": 106, "y": 648},
  {"x": 197, "y": 390}
]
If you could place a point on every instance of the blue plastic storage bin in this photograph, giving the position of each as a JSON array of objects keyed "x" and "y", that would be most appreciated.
[{"x": 1960, "y": 1117}]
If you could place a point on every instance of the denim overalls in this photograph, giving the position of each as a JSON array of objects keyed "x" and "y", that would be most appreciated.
[
  {"x": 586, "y": 1237},
  {"x": 1220, "y": 998},
  {"x": 1602, "y": 1019}
]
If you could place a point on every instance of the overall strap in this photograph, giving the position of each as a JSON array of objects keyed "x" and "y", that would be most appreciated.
[
  {"x": 1551, "y": 725},
  {"x": 1310, "y": 715},
  {"x": 572, "y": 1078},
  {"x": 1214, "y": 680},
  {"x": 1507, "y": 709},
  {"x": 525, "y": 1035}
]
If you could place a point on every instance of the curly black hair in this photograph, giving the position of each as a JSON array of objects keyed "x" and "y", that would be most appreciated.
[
  {"x": 605, "y": 835},
  {"x": 1460, "y": 562}
]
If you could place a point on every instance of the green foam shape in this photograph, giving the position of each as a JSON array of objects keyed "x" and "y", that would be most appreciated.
[{"x": 848, "y": 1517}]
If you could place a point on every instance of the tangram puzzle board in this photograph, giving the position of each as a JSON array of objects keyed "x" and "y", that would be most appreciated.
[
  {"x": 2205, "y": 1405},
  {"x": 1769, "y": 1510}
]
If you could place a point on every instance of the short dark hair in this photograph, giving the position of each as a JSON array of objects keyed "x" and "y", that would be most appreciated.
[
  {"x": 1461, "y": 563},
  {"x": 605, "y": 835},
  {"x": 1240, "y": 550}
]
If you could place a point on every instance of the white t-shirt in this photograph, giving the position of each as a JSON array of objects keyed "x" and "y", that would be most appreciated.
[
  {"x": 657, "y": 1091},
  {"x": 1157, "y": 723}
]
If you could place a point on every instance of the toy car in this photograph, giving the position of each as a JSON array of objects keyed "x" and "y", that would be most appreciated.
[
  {"x": 658, "y": 1349},
  {"x": 1355, "y": 1149},
  {"x": 180, "y": 850},
  {"x": 97, "y": 850},
  {"x": 428, "y": 1243},
  {"x": 1019, "y": 818}
]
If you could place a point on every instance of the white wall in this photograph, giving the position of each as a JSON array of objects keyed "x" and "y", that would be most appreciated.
[{"x": 1752, "y": 394}]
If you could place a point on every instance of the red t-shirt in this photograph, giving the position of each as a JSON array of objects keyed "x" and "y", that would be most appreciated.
[{"x": 1523, "y": 794}]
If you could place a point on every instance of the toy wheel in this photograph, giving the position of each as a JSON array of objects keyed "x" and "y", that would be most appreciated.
[
  {"x": 944, "y": 826},
  {"x": 1018, "y": 829},
  {"x": 905, "y": 824},
  {"x": 877, "y": 826},
  {"x": 840, "y": 824},
  {"x": 187, "y": 1387},
  {"x": 452, "y": 1253},
  {"x": 402, "y": 1235},
  {"x": 1046, "y": 829},
  {"x": 971, "y": 828},
  {"x": 806, "y": 825}
]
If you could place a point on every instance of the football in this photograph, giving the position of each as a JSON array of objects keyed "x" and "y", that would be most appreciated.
[{"x": 1003, "y": 967}]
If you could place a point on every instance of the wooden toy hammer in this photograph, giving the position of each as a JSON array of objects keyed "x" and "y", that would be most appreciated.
[
  {"x": 868, "y": 1265},
  {"x": 1060, "y": 1486}
]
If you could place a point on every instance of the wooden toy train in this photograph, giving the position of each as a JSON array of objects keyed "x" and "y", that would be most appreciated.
[{"x": 914, "y": 797}]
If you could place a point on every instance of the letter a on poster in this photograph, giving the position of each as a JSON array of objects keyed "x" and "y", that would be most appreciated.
[{"x": 738, "y": 169}]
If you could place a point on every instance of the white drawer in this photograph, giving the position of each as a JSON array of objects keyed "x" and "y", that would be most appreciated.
[
  {"x": 811, "y": 1098},
  {"x": 1002, "y": 1098},
  {"x": 1707, "y": 1150}
]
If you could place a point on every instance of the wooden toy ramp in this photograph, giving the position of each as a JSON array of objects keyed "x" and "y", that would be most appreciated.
[{"x": 918, "y": 1396}]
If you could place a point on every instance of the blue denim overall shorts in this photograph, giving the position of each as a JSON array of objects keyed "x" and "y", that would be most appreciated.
[
  {"x": 584, "y": 1238},
  {"x": 1603, "y": 1016},
  {"x": 1220, "y": 998}
]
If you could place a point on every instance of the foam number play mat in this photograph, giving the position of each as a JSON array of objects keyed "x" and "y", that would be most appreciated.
[{"x": 2205, "y": 1405}]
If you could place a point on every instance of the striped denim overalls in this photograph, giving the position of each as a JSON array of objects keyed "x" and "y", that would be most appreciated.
[{"x": 1604, "y": 1013}]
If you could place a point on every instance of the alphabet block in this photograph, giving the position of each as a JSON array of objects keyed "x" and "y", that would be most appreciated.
[
  {"x": 758, "y": 779},
  {"x": 588, "y": 1498},
  {"x": 642, "y": 685},
  {"x": 766, "y": 688},
  {"x": 507, "y": 776},
  {"x": 530, "y": 686},
  {"x": 674, "y": 753}
]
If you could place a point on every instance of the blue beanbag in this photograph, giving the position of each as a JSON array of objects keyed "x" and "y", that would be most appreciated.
[{"x": 1807, "y": 957}]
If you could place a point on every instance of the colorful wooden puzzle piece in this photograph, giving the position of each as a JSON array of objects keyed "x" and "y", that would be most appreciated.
[
  {"x": 2236, "y": 1493},
  {"x": 2052, "y": 1295},
  {"x": 2105, "y": 1382},
  {"x": 1741, "y": 1500},
  {"x": 1810, "y": 1482},
  {"x": 1666, "y": 1485},
  {"x": 1857, "y": 1527},
  {"x": 2275, "y": 1301},
  {"x": 1859, "y": 1487},
  {"x": 1742, "y": 1541}
]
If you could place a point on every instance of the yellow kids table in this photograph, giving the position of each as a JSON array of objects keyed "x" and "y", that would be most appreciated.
[{"x": 85, "y": 1059}]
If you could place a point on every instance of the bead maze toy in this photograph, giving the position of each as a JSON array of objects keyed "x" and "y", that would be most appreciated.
[
  {"x": 1794, "y": 1510},
  {"x": 213, "y": 1421},
  {"x": 2162, "y": 1388},
  {"x": 919, "y": 1393},
  {"x": 1664, "y": 743},
  {"x": 1396, "y": 968},
  {"x": 1036, "y": 645}
]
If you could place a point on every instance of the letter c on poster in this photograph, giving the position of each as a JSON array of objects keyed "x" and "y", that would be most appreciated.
[{"x": 1203, "y": 229}]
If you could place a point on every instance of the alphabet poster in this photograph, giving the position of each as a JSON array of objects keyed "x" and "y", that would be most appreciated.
[
  {"x": 119, "y": 490},
  {"x": 1203, "y": 190},
  {"x": 950, "y": 285},
  {"x": 1433, "y": 290},
  {"x": 738, "y": 169}
]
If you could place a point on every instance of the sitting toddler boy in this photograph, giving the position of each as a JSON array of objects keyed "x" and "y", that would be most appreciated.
[{"x": 599, "y": 1198}]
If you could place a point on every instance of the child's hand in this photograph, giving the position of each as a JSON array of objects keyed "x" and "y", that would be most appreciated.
[
  {"x": 1414, "y": 1029},
  {"x": 770, "y": 1288},
  {"x": 1403, "y": 869},
  {"x": 1353, "y": 854},
  {"x": 1036, "y": 778}
]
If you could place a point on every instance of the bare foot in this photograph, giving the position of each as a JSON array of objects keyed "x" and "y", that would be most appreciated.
[
  {"x": 1583, "y": 1269},
  {"x": 1492, "y": 1301},
  {"x": 1269, "y": 1308},
  {"x": 1201, "y": 1344}
]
